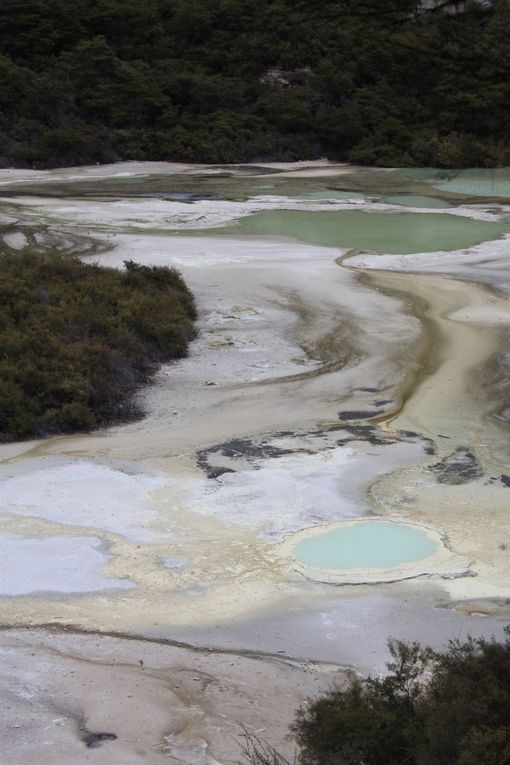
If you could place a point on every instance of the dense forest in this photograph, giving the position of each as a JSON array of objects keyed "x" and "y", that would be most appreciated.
[
  {"x": 77, "y": 340},
  {"x": 402, "y": 82},
  {"x": 431, "y": 708}
]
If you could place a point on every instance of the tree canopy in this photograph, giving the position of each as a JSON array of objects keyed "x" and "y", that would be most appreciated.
[{"x": 240, "y": 80}]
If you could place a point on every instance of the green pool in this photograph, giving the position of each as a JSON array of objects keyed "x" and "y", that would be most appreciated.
[
  {"x": 493, "y": 182},
  {"x": 393, "y": 233}
]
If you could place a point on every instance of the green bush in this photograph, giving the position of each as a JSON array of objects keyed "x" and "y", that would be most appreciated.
[
  {"x": 449, "y": 708},
  {"x": 77, "y": 340}
]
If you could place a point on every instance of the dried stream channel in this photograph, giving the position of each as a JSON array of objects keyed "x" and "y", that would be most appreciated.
[{"x": 352, "y": 364}]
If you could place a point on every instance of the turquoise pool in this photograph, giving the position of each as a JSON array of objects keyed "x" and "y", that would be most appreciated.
[{"x": 366, "y": 545}]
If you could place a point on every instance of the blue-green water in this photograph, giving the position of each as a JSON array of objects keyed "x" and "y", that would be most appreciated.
[
  {"x": 370, "y": 544},
  {"x": 395, "y": 233},
  {"x": 474, "y": 181}
]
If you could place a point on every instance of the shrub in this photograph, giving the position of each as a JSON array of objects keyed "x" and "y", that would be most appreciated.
[
  {"x": 430, "y": 709},
  {"x": 77, "y": 339}
]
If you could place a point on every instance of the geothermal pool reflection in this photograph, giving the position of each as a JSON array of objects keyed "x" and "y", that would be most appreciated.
[{"x": 367, "y": 544}]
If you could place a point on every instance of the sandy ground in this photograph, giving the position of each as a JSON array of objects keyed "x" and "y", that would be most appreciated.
[
  {"x": 324, "y": 386},
  {"x": 93, "y": 698}
]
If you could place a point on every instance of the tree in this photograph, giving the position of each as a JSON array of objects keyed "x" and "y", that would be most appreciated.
[
  {"x": 430, "y": 708},
  {"x": 361, "y": 80}
]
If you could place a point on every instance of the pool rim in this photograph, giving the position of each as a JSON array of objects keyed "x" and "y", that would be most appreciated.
[{"x": 445, "y": 562}]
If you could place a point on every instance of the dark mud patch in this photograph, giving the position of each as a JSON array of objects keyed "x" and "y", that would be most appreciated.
[
  {"x": 247, "y": 454},
  {"x": 457, "y": 468},
  {"x": 214, "y": 472},
  {"x": 229, "y": 456},
  {"x": 177, "y": 196},
  {"x": 211, "y": 471},
  {"x": 359, "y": 414},
  {"x": 94, "y": 740},
  {"x": 378, "y": 437},
  {"x": 369, "y": 433},
  {"x": 244, "y": 447}
]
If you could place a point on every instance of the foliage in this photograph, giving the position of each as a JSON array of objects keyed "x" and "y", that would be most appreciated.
[
  {"x": 447, "y": 708},
  {"x": 78, "y": 339},
  {"x": 238, "y": 80}
]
